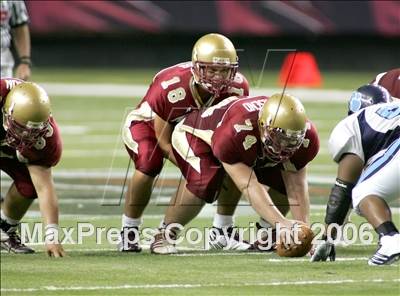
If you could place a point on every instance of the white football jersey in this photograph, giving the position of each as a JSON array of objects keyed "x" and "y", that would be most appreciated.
[{"x": 366, "y": 133}]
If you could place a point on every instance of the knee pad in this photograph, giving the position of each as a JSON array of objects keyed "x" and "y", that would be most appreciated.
[{"x": 339, "y": 202}]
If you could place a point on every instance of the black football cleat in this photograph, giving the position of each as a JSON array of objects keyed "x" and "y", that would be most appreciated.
[
  {"x": 129, "y": 240},
  {"x": 266, "y": 243},
  {"x": 13, "y": 244}
]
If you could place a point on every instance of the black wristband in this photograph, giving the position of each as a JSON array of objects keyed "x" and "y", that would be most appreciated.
[{"x": 25, "y": 60}]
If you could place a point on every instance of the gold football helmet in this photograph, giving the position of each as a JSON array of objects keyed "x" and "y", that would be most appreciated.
[
  {"x": 26, "y": 114},
  {"x": 283, "y": 124},
  {"x": 215, "y": 62}
]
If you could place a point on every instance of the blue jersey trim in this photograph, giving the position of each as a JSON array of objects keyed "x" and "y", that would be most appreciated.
[{"x": 381, "y": 161}]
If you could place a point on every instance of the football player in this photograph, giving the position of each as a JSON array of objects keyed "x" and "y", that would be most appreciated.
[
  {"x": 254, "y": 141},
  {"x": 370, "y": 139},
  {"x": 30, "y": 146},
  {"x": 209, "y": 78},
  {"x": 349, "y": 171}
]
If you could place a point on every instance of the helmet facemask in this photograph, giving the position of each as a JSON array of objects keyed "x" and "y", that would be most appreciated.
[
  {"x": 214, "y": 77},
  {"x": 279, "y": 144},
  {"x": 22, "y": 137}
]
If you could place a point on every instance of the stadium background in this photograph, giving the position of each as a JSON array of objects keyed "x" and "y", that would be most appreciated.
[
  {"x": 96, "y": 59},
  {"x": 159, "y": 33}
]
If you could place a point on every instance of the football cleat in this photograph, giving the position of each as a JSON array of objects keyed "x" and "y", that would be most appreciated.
[
  {"x": 265, "y": 243},
  {"x": 13, "y": 244},
  {"x": 388, "y": 250},
  {"x": 129, "y": 240},
  {"x": 323, "y": 252},
  {"x": 162, "y": 244},
  {"x": 226, "y": 240}
]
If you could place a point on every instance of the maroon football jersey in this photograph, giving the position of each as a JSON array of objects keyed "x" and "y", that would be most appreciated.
[
  {"x": 231, "y": 129},
  {"x": 389, "y": 80},
  {"x": 172, "y": 94},
  {"x": 46, "y": 151}
]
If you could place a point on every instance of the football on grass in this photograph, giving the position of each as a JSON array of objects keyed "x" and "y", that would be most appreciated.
[{"x": 305, "y": 237}]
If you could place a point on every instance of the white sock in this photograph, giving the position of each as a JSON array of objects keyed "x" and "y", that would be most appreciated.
[
  {"x": 162, "y": 224},
  {"x": 264, "y": 224},
  {"x": 221, "y": 221},
  {"x": 8, "y": 219},
  {"x": 131, "y": 222},
  {"x": 12, "y": 222}
]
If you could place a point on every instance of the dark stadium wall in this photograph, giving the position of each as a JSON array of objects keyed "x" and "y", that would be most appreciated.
[
  {"x": 356, "y": 53},
  {"x": 355, "y": 35}
]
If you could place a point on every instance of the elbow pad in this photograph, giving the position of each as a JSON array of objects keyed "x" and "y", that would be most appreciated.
[{"x": 339, "y": 202}]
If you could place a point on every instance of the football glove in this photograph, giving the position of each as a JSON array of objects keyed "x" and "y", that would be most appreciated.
[{"x": 323, "y": 252}]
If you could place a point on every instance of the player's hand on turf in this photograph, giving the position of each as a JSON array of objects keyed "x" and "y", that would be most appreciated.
[
  {"x": 55, "y": 250},
  {"x": 324, "y": 251}
]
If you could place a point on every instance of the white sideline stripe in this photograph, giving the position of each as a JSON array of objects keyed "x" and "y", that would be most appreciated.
[
  {"x": 87, "y": 153},
  {"x": 190, "y": 286},
  {"x": 83, "y": 187},
  {"x": 86, "y": 217},
  {"x": 172, "y": 173},
  {"x": 160, "y": 200},
  {"x": 129, "y": 90}
]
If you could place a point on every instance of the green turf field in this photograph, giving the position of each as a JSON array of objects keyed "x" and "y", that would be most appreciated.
[
  {"x": 92, "y": 269},
  {"x": 90, "y": 127}
]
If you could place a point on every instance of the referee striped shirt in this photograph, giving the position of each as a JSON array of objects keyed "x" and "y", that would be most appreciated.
[{"x": 12, "y": 14}]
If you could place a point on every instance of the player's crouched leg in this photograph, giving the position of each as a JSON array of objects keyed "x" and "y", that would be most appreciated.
[
  {"x": 378, "y": 185},
  {"x": 10, "y": 240},
  {"x": 223, "y": 235}
]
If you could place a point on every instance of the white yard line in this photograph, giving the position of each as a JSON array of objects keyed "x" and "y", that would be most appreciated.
[
  {"x": 95, "y": 90},
  {"x": 90, "y": 153},
  {"x": 191, "y": 286},
  {"x": 86, "y": 217},
  {"x": 170, "y": 173}
]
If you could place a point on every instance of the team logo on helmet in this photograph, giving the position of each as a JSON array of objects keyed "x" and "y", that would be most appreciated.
[{"x": 367, "y": 95}]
